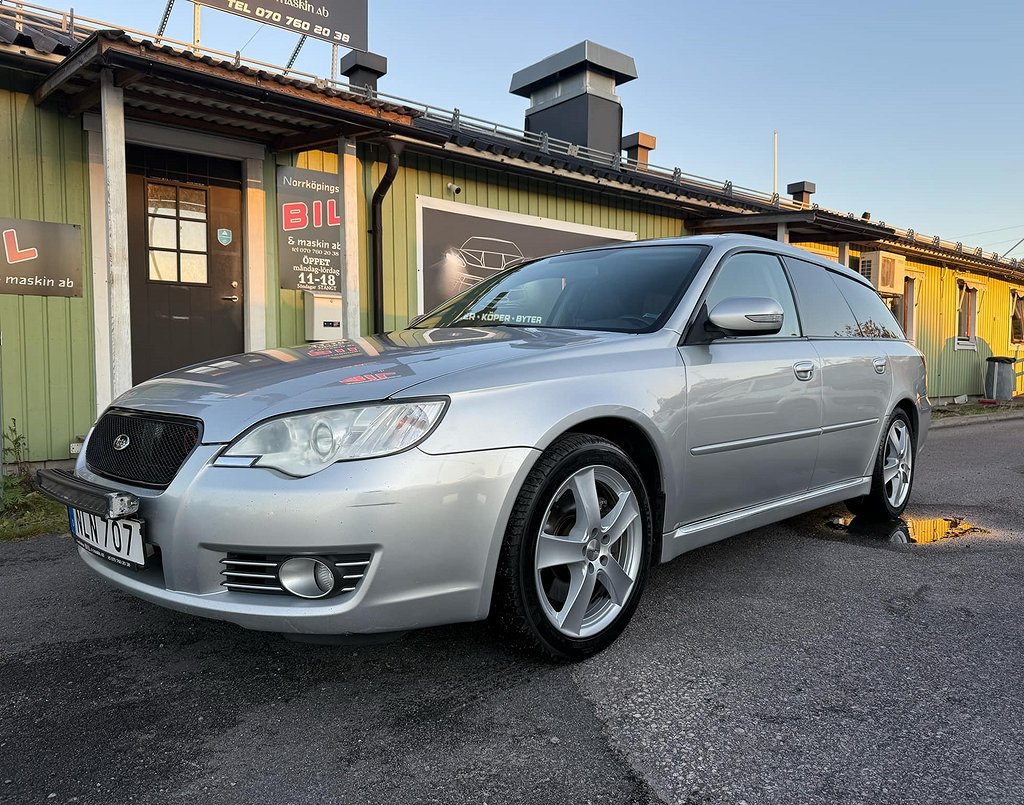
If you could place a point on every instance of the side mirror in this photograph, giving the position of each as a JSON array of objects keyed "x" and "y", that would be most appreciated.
[{"x": 747, "y": 315}]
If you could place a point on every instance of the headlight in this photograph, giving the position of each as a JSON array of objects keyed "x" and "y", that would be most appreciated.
[{"x": 304, "y": 444}]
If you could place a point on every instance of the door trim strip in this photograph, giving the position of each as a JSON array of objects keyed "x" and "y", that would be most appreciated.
[
  {"x": 860, "y": 423},
  {"x": 756, "y": 441}
]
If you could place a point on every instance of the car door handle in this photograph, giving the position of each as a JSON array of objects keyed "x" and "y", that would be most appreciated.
[
  {"x": 230, "y": 298},
  {"x": 803, "y": 370},
  {"x": 879, "y": 364}
]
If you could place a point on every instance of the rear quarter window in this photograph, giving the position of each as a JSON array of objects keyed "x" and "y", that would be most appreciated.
[
  {"x": 873, "y": 315},
  {"x": 824, "y": 311}
]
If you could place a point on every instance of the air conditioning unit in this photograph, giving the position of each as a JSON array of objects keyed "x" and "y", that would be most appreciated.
[{"x": 884, "y": 270}]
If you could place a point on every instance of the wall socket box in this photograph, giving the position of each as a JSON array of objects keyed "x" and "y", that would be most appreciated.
[{"x": 76, "y": 448}]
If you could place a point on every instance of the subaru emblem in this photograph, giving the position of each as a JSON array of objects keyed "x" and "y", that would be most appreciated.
[{"x": 121, "y": 442}]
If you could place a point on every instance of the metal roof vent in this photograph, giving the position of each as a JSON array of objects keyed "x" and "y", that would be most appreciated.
[{"x": 572, "y": 95}]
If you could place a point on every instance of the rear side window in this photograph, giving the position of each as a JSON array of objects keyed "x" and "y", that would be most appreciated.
[
  {"x": 824, "y": 311},
  {"x": 875, "y": 318}
]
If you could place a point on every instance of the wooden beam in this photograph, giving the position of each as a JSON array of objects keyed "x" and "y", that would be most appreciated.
[
  {"x": 115, "y": 177},
  {"x": 772, "y": 220},
  {"x": 177, "y": 121},
  {"x": 192, "y": 111},
  {"x": 68, "y": 70},
  {"x": 317, "y": 137}
]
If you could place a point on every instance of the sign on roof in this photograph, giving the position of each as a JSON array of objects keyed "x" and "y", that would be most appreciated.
[{"x": 340, "y": 22}]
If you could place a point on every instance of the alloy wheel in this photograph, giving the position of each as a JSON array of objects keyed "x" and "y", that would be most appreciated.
[{"x": 897, "y": 466}]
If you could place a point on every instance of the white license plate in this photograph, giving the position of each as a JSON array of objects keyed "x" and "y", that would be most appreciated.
[{"x": 119, "y": 541}]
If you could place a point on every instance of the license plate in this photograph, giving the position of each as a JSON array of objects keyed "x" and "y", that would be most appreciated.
[{"x": 120, "y": 541}]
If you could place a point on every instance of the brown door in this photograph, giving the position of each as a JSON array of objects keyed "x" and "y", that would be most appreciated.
[{"x": 185, "y": 259}]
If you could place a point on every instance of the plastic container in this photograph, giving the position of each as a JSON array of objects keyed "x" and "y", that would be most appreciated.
[{"x": 1000, "y": 379}]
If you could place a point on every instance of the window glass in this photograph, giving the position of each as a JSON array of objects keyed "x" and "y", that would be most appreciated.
[
  {"x": 823, "y": 310},
  {"x": 163, "y": 266},
  {"x": 162, "y": 234},
  {"x": 193, "y": 236},
  {"x": 193, "y": 268},
  {"x": 622, "y": 290},
  {"x": 1017, "y": 318},
  {"x": 875, "y": 319},
  {"x": 967, "y": 306},
  {"x": 162, "y": 199},
  {"x": 756, "y": 274},
  {"x": 192, "y": 204}
]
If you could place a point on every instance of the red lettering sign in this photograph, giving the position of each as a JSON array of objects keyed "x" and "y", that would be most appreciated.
[
  {"x": 13, "y": 252},
  {"x": 294, "y": 216}
]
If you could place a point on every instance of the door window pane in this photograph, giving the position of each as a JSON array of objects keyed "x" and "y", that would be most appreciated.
[
  {"x": 876, "y": 320},
  {"x": 823, "y": 310},
  {"x": 162, "y": 234},
  {"x": 756, "y": 274},
  {"x": 192, "y": 203},
  {"x": 163, "y": 266},
  {"x": 162, "y": 199},
  {"x": 193, "y": 268},
  {"x": 193, "y": 236}
]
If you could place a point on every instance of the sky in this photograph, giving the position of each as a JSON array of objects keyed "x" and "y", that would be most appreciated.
[{"x": 909, "y": 110}]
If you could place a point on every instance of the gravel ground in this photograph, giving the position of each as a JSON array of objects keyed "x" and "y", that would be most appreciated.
[{"x": 793, "y": 664}]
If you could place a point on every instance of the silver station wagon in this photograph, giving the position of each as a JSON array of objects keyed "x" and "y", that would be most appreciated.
[{"x": 529, "y": 449}]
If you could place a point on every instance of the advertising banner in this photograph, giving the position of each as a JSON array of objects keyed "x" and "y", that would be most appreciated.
[
  {"x": 39, "y": 259},
  {"x": 340, "y": 22},
  {"x": 461, "y": 244},
  {"x": 309, "y": 230}
]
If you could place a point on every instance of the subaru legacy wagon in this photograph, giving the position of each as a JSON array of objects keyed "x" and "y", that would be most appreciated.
[{"x": 529, "y": 449}]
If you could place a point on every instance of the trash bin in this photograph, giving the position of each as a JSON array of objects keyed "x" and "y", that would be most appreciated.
[{"x": 999, "y": 378}]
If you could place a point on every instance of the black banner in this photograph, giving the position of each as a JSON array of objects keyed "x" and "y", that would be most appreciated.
[
  {"x": 39, "y": 259},
  {"x": 309, "y": 230},
  {"x": 340, "y": 22}
]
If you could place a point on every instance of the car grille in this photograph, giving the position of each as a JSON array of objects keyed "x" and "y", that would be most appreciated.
[
  {"x": 257, "y": 573},
  {"x": 157, "y": 446}
]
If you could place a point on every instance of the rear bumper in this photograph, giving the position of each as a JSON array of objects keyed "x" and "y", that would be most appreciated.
[{"x": 433, "y": 526}]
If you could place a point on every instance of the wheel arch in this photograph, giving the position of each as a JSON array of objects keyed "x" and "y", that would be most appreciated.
[
  {"x": 907, "y": 406},
  {"x": 636, "y": 443}
]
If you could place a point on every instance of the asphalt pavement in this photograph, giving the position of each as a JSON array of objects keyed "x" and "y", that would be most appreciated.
[{"x": 794, "y": 664}]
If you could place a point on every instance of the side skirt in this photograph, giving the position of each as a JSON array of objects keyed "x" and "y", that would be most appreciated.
[{"x": 703, "y": 532}]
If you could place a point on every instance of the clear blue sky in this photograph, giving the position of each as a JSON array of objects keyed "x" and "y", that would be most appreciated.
[{"x": 911, "y": 110}]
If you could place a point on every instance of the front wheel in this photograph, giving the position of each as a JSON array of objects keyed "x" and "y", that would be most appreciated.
[
  {"x": 577, "y": 549},
  {"x": 893, "y": 473}
]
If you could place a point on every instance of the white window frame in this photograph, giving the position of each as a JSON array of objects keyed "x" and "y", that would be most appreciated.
[
  {"x": 973, "y": 292},
  {"x": 1016, "y": 298}
]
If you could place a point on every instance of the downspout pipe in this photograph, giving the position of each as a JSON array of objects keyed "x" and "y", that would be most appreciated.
[{"x": 377, "y": 233}]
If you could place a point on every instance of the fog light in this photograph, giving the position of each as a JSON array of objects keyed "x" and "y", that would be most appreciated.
[{"x": 306, "y": 577}]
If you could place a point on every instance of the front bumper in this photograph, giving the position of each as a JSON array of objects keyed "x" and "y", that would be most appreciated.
[{"x": 433, "y": 526}]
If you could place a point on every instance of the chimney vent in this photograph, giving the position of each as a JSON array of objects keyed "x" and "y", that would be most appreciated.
[
  {"x": 572, "y": 95},
  {"x": 638, "y": 146},
  {"x": 363, "y": 69},
  {"x": 801, "y": 191}
]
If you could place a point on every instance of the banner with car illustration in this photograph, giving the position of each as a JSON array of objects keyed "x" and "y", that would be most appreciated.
[{"x": 461, "y": 244}]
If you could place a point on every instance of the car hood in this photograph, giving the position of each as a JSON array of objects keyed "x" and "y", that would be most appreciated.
[{"x": 230, "y": 394}]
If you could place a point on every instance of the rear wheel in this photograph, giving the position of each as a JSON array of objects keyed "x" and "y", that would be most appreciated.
[
  {"x": 893, "y": 474},
  {"x": 576, "y": 551}
]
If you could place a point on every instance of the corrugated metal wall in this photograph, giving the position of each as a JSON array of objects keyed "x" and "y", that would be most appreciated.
[
  {"x": 48, "y": 351},
  {"x": 952, "y": 371}
]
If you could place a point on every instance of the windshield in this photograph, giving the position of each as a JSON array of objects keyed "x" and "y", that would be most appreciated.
[{"x": 627, "y": 290}]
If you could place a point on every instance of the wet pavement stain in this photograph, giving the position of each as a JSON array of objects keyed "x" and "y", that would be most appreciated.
[{"x": 908, "y": 531}]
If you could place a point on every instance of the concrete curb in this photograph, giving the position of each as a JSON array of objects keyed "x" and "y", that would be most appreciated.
[{"x": 973, "y": 419}]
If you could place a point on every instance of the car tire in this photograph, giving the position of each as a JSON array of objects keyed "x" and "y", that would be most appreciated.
[
  {"x": 577, "y": 550},
  {"x": 893, "y": 474}
]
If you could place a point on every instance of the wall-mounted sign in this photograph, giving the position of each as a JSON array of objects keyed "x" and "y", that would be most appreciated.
[
  {"x": 39, "y": 259},
  {"x": 309, "y": 230},
  {"x": 461, "y": 244},
  {"x": 341, "y": 22}
]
